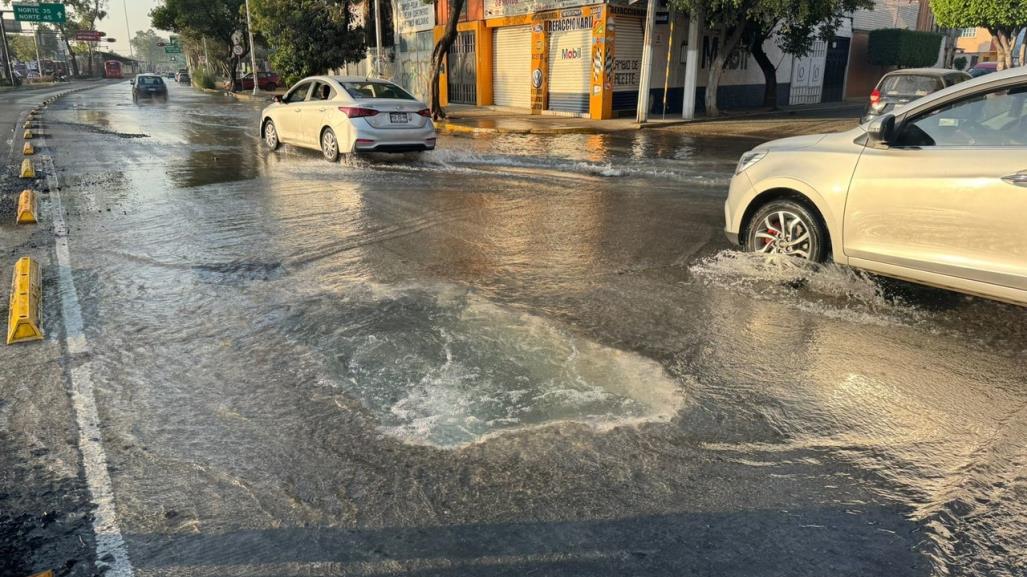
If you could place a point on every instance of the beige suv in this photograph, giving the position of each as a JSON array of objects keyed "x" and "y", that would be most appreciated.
[{"x": 935, "y": 192}]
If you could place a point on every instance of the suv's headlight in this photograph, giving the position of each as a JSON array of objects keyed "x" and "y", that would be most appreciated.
[{"x": 748, "y": 159}]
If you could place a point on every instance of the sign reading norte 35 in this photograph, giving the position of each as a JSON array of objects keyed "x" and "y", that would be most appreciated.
[{"x": 52, "y": 12}]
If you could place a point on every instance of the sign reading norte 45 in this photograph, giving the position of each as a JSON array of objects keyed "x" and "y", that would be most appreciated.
[{"x": 52, "y": 12}]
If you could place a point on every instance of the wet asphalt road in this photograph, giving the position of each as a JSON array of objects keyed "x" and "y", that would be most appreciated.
[{"x": 517, "y": 355}]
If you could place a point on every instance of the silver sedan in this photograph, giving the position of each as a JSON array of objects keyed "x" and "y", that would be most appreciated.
[{"x": 341, "y": 114}]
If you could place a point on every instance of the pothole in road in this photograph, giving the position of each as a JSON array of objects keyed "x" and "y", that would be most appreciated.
[{"x": 448, "y": 368}]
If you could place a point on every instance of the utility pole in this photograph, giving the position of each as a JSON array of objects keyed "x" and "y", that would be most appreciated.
[
  {"x": 377, "y": 39},
  {"x": 39, "y": 61},
  {"x": 695, "y": 20},
  {"x": 253, "y": 53},
  {"x": 7, "y": 50},
  {"x": 128, "y": 30},
  {"x": 206, "y": 57},
  {"x": 642, "y": 113}
]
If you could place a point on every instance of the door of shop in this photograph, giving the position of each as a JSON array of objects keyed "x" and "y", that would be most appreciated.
[
  {"x": 511, "y": 66},
  {"x": 627, "y": 62},
  {"x": 834, "y": 69},
  {"x": 570, "y": 69},
  {"x": 462, "y": 76}
]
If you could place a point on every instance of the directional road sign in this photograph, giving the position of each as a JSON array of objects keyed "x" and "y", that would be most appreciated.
[{"x": 40, "y": 13}]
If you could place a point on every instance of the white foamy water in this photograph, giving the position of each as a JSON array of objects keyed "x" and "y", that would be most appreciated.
[
  {"x": 827, "y": 289},
  {"x": 448, "y": 368}
]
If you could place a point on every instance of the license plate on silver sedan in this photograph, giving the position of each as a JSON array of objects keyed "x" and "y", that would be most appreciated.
[{"x": 398, "y": 117}]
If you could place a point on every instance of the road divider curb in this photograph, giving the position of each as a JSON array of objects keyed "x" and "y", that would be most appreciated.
[
  {"x": 27, "y": 150},
  {"x": 27, "y": 170},
  {"x": 27, "y": 207},
  {"x": 26, "y": 296}
]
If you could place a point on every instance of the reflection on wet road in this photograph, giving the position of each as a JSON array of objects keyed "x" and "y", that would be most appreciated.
[{"x": 515, "y": 355}]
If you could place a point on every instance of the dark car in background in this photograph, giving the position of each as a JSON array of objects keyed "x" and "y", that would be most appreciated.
[
  {"x": 901, "y": 86},
  {"x": 149, "y": 86},
  {"x": 982, "y": 68},
  {"x": 268, "y": 81}
]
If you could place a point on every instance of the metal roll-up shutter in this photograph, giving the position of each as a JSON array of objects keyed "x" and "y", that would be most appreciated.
[
  {"x": 570, "y": 56},
  {"x": 511, "y": 66},
  {"x": 627, "y": 62}
]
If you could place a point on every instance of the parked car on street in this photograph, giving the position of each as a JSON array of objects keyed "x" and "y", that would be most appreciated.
[
  {"x": 182, "y": 72},
  {"x": 902, "y": 86},
  {"x": 149, "y": 86},
  {"x": 348, "y": 114},
  {"x": 933, "y": 192},
  {"x": 982, "y": 68},
  {"x": 268, "y": 81}
]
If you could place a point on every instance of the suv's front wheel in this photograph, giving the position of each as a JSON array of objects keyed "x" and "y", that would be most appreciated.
[{"x": 789, "y": 228}]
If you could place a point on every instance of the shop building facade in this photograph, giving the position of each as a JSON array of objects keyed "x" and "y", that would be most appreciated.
[{"x": 570, "y": 57}]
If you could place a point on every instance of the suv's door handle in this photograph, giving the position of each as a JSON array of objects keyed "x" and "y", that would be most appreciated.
[{"x": 1018, "y": 179}]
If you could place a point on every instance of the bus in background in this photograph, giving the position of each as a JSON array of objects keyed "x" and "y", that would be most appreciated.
[{"x": 112, "y": 69}]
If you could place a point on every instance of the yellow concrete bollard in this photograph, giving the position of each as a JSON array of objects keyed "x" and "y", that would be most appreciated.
[
  {"x": 26, "y": 296},
  {"x": 27, "y": 150},
  {"x": 28, "y": 134},
  {"x": 27, "y": 207},
  {"x": 27, "y": 170}
]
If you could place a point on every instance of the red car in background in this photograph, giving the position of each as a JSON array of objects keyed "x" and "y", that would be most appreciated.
[{"x": 268, "y": 81}]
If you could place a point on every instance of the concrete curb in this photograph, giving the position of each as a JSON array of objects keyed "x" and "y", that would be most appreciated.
[
  {"x": 447, "y": 127},
  {"x": 247, "y": 97}
]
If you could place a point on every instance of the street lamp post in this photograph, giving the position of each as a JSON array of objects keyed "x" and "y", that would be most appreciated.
[
  {"x": 128, "y": 30},
  {"x": 253, "y": 54}
]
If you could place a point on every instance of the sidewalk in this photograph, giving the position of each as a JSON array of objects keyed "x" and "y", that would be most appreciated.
[{"x": 464, "y": 119}]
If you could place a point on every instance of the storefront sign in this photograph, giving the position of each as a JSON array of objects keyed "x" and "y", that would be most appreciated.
[
  {"x": 500, "y": 8},
  {"x": 415, "y": 16},
  {"x": 574, "y": 23},
  {"x": 625, "y": 72}
]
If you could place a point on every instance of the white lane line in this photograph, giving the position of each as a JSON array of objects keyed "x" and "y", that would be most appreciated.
[{"x": 111, "y": 552}]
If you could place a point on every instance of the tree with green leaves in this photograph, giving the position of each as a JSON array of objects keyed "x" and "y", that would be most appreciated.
[
  {"x": 795, "y": 25},
  {"x": 725, "y": 20},
  {"x": 735, "y": 24},
  {"x": 147, "y": 49},
  {"x": 215, "y": 20},
  {"x": 308, "y": 37},
  {"x": 1002, "y": 18}
]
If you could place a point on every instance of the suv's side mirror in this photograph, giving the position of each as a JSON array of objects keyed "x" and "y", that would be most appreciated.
[
  {"x": 277, "y": 98},
  {"x": 882, "y": 129}
]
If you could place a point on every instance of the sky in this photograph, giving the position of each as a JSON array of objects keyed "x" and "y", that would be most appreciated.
[{"x": 138, "y": 19}]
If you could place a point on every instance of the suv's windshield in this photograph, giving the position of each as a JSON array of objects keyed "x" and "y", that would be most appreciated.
[
  {"x": 376, "y": 90},
  {"x": 909, "y": 85}
]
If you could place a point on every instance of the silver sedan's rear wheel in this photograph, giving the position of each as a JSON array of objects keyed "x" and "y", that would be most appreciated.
[
  {"x": 271, "y": 135},
  {"x": 329, "y": 145},
  {"x": 788, "y": 228}
]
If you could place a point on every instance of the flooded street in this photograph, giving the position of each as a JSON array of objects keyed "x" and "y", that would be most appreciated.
[{"x": 515, "y": 355}]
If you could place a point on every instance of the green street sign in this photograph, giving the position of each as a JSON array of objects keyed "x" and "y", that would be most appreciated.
[
  {"x": 53, "y": 13},
  {"x": 172, "y": 49}
]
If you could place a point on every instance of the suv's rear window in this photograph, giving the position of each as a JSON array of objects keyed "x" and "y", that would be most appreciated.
[
  {"x": 909, "y": 85},
  {"x": 150, "y": 81},
  {"x": 376, "y": 90}
]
